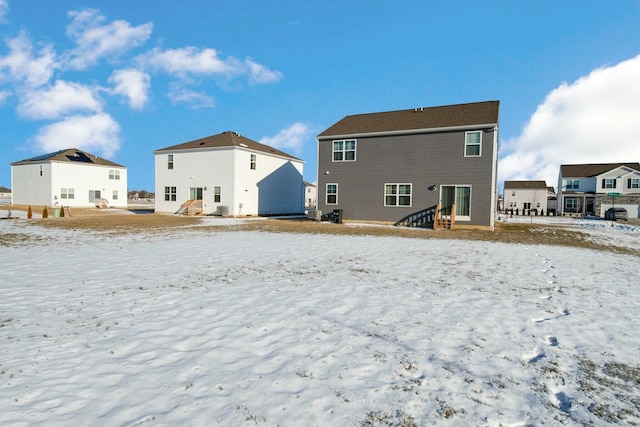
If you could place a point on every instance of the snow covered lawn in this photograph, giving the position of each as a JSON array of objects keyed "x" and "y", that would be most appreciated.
[{"x": 208, "y": 327}]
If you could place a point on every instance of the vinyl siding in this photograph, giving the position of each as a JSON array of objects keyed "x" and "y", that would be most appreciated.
[{"x": 419, "y": 159}]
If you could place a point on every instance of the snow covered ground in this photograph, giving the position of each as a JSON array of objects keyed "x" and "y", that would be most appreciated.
[{"x": 197, "y": 327}]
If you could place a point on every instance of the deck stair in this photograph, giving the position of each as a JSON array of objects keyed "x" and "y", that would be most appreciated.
[
  {"x": 102, "y": 203},
  {"x": 190, "y": 208},
  {"x": 445, "y": 222}
]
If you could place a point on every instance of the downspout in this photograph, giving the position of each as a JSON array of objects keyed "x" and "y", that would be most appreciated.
[{"x": 494, "y": 180}]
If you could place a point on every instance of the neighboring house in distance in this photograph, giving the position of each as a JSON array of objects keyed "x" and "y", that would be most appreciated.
[
  {"x": 552, "y": 201},
  {"x": 228, "y": 174},
  {"x": 526, "y": 196},
  {"x": 69, "y": 177},
  {"x": 310, "y": 195},
  {"x": 590, "y": 189},
  {"x": 383, "y": 167},
  {"x": 5, "y": 192}
]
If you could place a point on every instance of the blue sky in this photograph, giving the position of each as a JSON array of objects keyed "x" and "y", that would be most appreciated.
[{"x": 123, "y": 78}]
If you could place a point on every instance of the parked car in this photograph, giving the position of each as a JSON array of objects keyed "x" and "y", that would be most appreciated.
[{"x": 615, "y": 214}]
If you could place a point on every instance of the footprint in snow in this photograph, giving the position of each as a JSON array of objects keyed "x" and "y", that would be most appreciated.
[{"x": 552, "y": 341}]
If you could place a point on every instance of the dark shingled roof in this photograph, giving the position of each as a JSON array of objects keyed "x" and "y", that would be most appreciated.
[
  {"x": 525, "y": 185},
  {"x": 68, "y": 155},
  {"x": 226, "y": 139},
  {"x": 449, "y": 116},
  {"x": 589, "y": 170}
]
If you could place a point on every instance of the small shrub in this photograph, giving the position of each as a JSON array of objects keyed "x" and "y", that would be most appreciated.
[
  {"x": 61, "y": 211},
  {"x": 45, "y": 213},
  {"x": 29, "y": 213}
]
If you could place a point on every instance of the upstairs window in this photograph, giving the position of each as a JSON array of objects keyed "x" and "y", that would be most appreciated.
[
  {"x": 397, "y": 194},
  {"x": 170, "y": 161},
  {"x": 608, "y": 183},
  {"x": 253, "y": 162},
  {"x": 114, "y": 174},
  {"x": 332, "y": 194},
  {"x": 472, "y": 144},
  {"x": 633, "y": 183},
  {"x": 573, "y": 184},
  {"x": 40, "y": 170},
  {"x": 170, "y": 194},
  {"x": 344, "y": 151}
]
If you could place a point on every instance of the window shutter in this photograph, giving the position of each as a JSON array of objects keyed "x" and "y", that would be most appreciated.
[
  {"x": 614, "y": 183},
  {"x": 629, "y": 183},
  {"x": 602, "y": 182}
]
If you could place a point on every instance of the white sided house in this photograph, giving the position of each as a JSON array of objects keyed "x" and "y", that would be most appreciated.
[
  {"x": 69, "y": 177},
  {"x": 227, "y": 174},
  {"x": 526, "y": 197}
]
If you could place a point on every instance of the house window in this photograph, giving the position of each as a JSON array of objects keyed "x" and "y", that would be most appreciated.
[
  {"x": 608, "y": 183},
  {"x": 633, "y": 183},
  {"x": 472, "y": 144},
  {"x": 170, "y": 161},
  {"x": 513, "y": 193},
  {"x": 253, "y": 161},
  {"x": 40, "y": 170},
  {"x": 573, "y": 184},
  {"x": 571, "y": 204},
  {"x": 114, "y": 174},
  {"x": 170, "y": 194},
  {"x": 114, "y": 195},
  {"x": 344, "y": 151},
  {"x": 460, "y": 195},
  {"x": 397, "y": 194},
  {"x": 67, "y": 193},
  {"x": 332, "y": 194},
  {"x": 526, "y": 205},
  {"x": 217, "y": 194}
]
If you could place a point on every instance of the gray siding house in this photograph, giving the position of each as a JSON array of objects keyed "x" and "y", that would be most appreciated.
[{"x": 389, "y": 166}]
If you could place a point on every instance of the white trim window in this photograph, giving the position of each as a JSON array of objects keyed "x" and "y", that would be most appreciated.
[
  {"x": 397, "y": 194},
  {"x": 473, "y": 144},
  {"x": 573, "y": 184},
  {"x": 114, "y": 174},
  {"x": 170, "y": 194},
  {"x": 169, "y": 161},
  {"x": 609, "y": 183},
  {"x": 217, "y": 194},
  {"x": 633, "y": 183},
  {"x": 332, "y": 194},
  {"x": 344, "y": 150},
  {"x": 67, "y": 193},
  {"x": 114, "y": 195},
  {"x": 253, "y": 162},
  {"x": 571, "y": 204}
]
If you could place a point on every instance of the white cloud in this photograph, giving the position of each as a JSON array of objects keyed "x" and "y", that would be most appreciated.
[
  {"x": 258, "y": 73},
  {"x": 289, "y": 139},
  {"x": 61, "y": 99},
  {"x": 23, "y": 65},
  {"x": 592, "y": 120},
  {"x": 190, "y": 61},
  {"x": 179, "y": 94},
  {"x": 96, "y": 40},
  {"x": 98, "y": 134},
  {"x": 4, "y": 94},
  {"x": 4, "y": 8},
  {"x": 132, "y": 84}
]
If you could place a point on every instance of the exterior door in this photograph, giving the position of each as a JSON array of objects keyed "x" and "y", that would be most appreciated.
[
  {"x": 195, "y": 193},
  {"x": 94, "y": 195},
  {"x": 447, "y": 199},
  {"x": 589, "y": 209}
]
